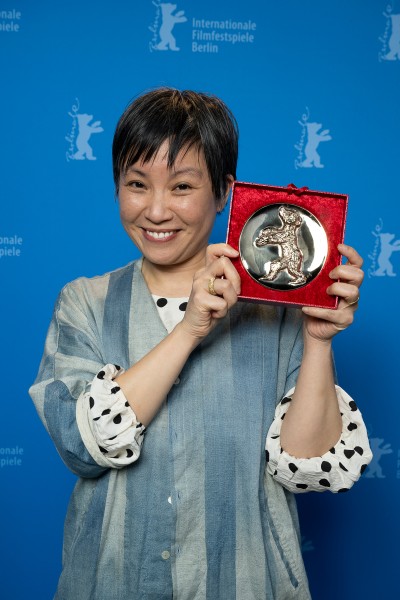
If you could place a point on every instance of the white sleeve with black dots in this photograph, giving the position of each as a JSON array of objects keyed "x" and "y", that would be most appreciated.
[
  {"x": 336, "y": 470},
  {"x": 108, "y": 425}
]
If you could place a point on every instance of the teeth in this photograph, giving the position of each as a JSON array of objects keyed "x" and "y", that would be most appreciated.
[{"x": 160, "y": 235}]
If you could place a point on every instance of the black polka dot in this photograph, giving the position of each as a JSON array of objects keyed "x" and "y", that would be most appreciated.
[
  {"x": 342, "y": 442},
  {"x": 115, "y": 389},
  {"x": 283, "y": 416},
  {"x": 117, "y": 420},
  {"x": 281, "y": 450},
  {"x": 127, "y": 403},
  {"x": 324, "y": 482},
  {"x": 129, "y": 453},
  {"x": 351, "y": 426},
  {"x": 332, "y": 451},
  {"x": 101, "y": 374},
  {"x": 183, "y": 306},
  {"x": 117, "y": 367},
  {"x": 349, "y": 453},
  {"x": 96, "y": 418},
  {"x": 343, "y": 467},
  {"x": 363, "y": 467},
  {"x": 161, "y": 302},
  {"x": 113, "y": 438},
  {"x": 142, "y": 432},
  {"x": 274, "y": 437},
  {"x": 106, "y": 412},
  {"x": 91, "y": 402},
  {"x": 343, "y": 490},
  {"x": 293, "y": 467},
  {"x": 285, "y": 400},
  {"x": 275, "y": 473},
  {"x": 359, "y": 450},
  {"x": 103, "y": 450},
  {"x": 353, "y": 405},
  {"x": 302, "y": 486},
  {"x": 326, "y": 466},
  {"x": 138, "y": 425},
  {"x": 267, "y": 455}
]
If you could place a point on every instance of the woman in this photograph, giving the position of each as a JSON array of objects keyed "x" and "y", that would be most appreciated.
[{"x": 166, "y": 396}]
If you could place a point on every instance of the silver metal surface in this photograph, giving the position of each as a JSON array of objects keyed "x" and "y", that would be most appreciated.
[{"x": 283, "y": 246}]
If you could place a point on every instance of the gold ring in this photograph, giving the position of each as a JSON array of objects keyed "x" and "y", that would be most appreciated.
[
  {"x": 211, "y": 289},
  {"x": 354, "y": 302}
]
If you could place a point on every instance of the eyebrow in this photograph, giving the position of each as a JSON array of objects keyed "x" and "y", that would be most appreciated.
[{"x": 184, "y": 171}]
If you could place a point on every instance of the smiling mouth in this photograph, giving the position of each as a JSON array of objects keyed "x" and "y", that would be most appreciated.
[{"x": 160, "y": 235}]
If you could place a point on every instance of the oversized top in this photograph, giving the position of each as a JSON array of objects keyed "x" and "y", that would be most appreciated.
[{"x": 197, "y": 516}]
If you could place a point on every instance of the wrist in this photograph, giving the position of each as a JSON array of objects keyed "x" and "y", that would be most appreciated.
[
  {"x": 312, "y": 343},
  {"x": 185, "y": 337}
]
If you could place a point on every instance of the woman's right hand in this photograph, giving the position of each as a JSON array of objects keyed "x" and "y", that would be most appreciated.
[{"x": 205, "y": 309}]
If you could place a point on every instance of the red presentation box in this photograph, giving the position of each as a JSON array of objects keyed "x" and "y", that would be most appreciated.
[{"x": 287, "y": 238}]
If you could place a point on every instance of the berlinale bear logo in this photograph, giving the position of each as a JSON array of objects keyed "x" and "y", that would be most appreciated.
[
  {"x": 285, "y": 237},
  {"x": 310, "y": 139},
  {"x": 391, "y": 37},
  {"x": 81, "y": 131},
  {"x": 164, "y": 22},
  {"x": 380, "y": 257}
]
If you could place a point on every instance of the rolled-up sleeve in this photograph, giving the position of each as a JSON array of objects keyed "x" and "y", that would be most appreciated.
[
  {"x": 336, "y": 470},
  {"x": 72, "y": 360},
  {"x": 107, "y": 423}
]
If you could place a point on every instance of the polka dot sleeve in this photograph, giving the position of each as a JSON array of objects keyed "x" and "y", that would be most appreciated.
[
  {"x": 337, "y": 470},
  {"x": 111, "y": 431}
]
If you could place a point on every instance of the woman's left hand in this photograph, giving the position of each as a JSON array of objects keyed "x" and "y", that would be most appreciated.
[{"x": 321, "y": 323}]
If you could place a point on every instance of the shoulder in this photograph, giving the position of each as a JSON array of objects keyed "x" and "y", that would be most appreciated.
[{"x": 93, "y": 290}]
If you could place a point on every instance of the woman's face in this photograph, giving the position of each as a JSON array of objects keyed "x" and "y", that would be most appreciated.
[{"x": 169, "y": 213}]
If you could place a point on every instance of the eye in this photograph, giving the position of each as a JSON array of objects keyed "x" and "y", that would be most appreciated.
[
  {"x": 135, "y": 185},
  {"x": 183, "y": 187}
]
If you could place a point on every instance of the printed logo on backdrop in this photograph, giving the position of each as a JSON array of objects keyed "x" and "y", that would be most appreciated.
[
  {"x": 164, "y": 22},
  {"x": 390, "y": 40},
  {"x": 10, "y": 20},
  {"x": 207, "y": 35},
  {"x": 379, "y": 449},
  {"x": 381, "y": 256},
  {"x": 11, "y": 457},
  {"x": 80, "y": 133},
  {"x": 310, "y": 138},
  {"x": 10, "y": 246}
]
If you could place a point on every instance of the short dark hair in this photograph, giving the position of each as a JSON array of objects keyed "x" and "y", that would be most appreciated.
[{"x": 185, "y": 119}]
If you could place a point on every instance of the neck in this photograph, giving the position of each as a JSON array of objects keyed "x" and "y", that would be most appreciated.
[{"x": 172, "y": 281}]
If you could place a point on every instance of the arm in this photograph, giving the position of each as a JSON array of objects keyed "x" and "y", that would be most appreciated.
[
  {"x": 83, "y": 410},
  {"x": 313, "y": 423},
  {"x": 145, "y": 392}
]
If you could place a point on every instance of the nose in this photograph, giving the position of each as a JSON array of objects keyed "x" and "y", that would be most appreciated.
[{"x": 157, "y": 210}]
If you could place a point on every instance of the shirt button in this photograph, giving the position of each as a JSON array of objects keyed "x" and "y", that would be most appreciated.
[
  {"x": 165, "y": 555},
  {"x": 177, "y": 381}
]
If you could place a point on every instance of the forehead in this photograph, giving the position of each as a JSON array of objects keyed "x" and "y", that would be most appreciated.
[{"x": 189, "y": 159}]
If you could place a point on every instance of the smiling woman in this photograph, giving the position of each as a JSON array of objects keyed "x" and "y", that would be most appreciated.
[{"x": 191, "y": 418}]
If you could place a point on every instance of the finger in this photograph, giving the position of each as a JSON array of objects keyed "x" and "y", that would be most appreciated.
[
  {"x": 223, "y": 268},
  {"x": 348, "y": 273},
  {"x": 215, "y": 251},
  {"x": 348, "y": 294},
  {"x": 341, "y": 319},
  {"x": 351, "y": 254},
  {"x": 223, "y": 288}
]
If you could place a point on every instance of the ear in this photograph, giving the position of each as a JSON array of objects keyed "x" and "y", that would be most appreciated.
[{"x": 222, "y": 202}]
